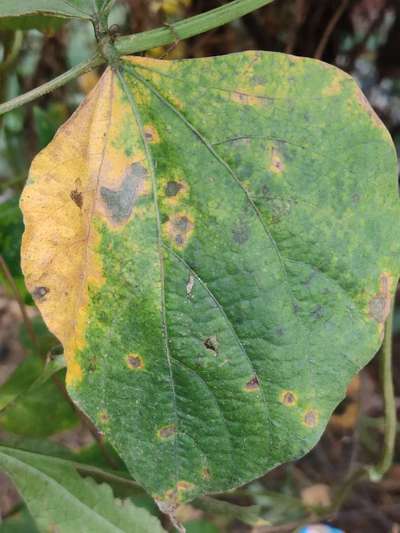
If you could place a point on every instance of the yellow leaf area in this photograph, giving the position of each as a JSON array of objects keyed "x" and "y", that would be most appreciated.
[{"x": 74, "y": 184}]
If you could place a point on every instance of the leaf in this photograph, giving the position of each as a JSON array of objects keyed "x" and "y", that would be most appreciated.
[
  {"x": 59, "y": 500},
  {"x": 26, "y": 396},
  {"x": 11, "y": 228},
  {"x": 30, "y": 10},
  {"x": 215, "y": 243},
  {"x": 42, "y": 23}
]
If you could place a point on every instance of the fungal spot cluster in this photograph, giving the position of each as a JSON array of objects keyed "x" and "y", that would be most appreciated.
[
  {"x": 134, "y": 361},
  {"x": 179, "y": 229},
  {"x": 166, "y": 432},
  {"x": 172, "y": 497},
  {"x": 288, "y": 398},
  {"x": 253, "y": 384}
]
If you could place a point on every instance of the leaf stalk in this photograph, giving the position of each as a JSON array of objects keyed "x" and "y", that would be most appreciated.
[{"x": 140, "y": 42}]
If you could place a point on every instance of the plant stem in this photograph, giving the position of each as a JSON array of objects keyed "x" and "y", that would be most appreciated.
[
  {"x": 386, "y": 378},
  {"x": 189, "y": 27},
  {"x": 132, "y": 44},
  {"x": 61, "y": 80}
]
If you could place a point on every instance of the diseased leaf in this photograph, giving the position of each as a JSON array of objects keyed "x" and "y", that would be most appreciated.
[
  {"x": 215, "y": 243},
  {"x": 60, "y": 500}
]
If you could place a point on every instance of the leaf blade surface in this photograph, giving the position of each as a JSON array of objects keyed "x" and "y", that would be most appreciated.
[{"x": 226, "y": 228}]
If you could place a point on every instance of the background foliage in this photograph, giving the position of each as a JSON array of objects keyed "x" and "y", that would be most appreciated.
[{"x": 360, "y": 36}]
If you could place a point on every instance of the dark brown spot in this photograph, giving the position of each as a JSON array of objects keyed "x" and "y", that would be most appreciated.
[
  {"x": 253, "y": 384},
  {"x": 211, "y": 343},
  {"x": 182, "y": 223},
  {"x": 134, "y": 361},
  {"x": 172, "y": 188},
  {"x": 40, "y": 292},
  {"x": 288, "y": 398},
  {"x": 167, "y": 431},
  {"x": 77, "y": 197}
]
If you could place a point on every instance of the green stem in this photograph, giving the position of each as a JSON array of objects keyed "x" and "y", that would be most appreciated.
[
  {"x": 61, "y": 80},
  {"x": 190, "y": 27},
  {"x": 132, "y": 44},
  {"x": 386, "y": 377}
]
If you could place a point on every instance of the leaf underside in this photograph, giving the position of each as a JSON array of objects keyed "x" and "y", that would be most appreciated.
[
  {"x": 83, "y": 9},
  {"x": 215, "y": 243},
  {"x": 60, "y": 500}
]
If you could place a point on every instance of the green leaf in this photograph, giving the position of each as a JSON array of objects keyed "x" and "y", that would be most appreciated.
[
  {"x": 215, "y": 243},
  {"x": 59, "y": 499},
  {"x": 26, "y": 12},
  {"x": 42, "y": 23},
  {"x": 26, "y": 396},
  {"x": 47, "y": 121},
  {"x": 11, "y": 228}
]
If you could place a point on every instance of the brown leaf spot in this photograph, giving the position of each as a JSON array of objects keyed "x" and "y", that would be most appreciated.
[
  {"x": 241, "y": 97},
  {"x": 334, "y": 88},
  {"x": 39, "y": 293},
  {"x": 277, "y": 166},
  {"x": 379, "y": 305},
  {"x": 104, "y": 417},
  {"x": 288, "y": 398},
  {"x": 77, "y": 198},
  {"x": 205, "y": 474},
  {"x": 151, "y": 134},
  {"x": 119, "y": 203},
  {"x": 167, "y": 432},
  {"x": 252, "y": 385},
  {"x": 179, "y": 229},
  {"x": 134, "y": 361},
  {"x": 311, "y": 418},
  {"x": 211, "y": 343},
  {"x": 172, "y": 188}
]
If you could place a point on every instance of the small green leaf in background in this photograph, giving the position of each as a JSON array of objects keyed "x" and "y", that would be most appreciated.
[
  {"x": 59, "y": 499},
  {"x": 11, "y": 228},
  {"x": 47, "y": 121},
  {"x": 35, "y": 411}
]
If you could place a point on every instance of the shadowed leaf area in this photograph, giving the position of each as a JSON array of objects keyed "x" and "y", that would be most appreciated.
[{"x": 215, "y": 243}]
